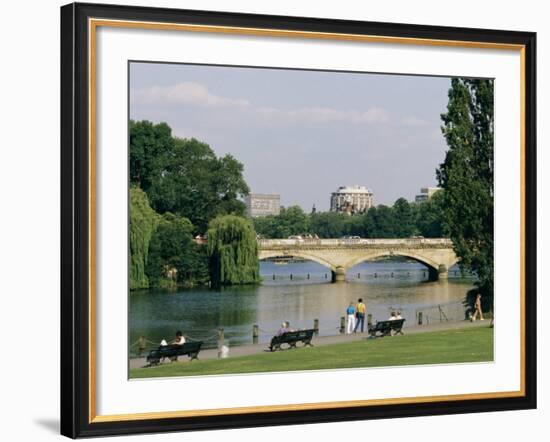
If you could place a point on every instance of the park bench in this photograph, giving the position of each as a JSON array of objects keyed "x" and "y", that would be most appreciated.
[
  {"x": 292, "y": 338},
  {"x": 385, "y": 328},
  {"x": 172, "y": 352}
]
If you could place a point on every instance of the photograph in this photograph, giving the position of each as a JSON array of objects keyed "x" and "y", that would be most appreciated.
[{"x": 288, "y": 220}]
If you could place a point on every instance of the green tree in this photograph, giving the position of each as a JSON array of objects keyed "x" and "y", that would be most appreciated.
[
  {"x": 430, "y": 216},
  {"x": 355, "y": 225},
  {"x": 385, "y": 222},
  {"x": 403, "y": 220},
  {"x": 198, "y": 185},
  {"x": 294, "y": 221},
  {"x": 290, "y": 221},
  {"x": 149, "y": 146},
  {"x": 268, "y": 226},
  {"x": 143, "y": 222},
  {"x": 233, "y": 251},
  {"x": 370, "y": 229},
  {"x": 467, "y": 176},
  {"x": 174, "y": 258},
  {"x": 328, "y": 224}
]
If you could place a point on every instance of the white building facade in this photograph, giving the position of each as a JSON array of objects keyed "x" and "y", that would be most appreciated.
[{"x": 351, "y": 199}]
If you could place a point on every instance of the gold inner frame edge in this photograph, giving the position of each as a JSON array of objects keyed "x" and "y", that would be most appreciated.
[{"x": 93, "y": 24}]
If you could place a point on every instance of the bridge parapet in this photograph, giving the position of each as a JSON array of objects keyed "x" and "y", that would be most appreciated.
[{"x": 439, "y": 243}]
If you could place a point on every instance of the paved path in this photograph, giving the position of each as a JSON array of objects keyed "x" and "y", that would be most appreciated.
[{"x": 245, "y": 350}]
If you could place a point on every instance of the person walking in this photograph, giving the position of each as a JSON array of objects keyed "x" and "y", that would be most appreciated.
[
  {"x": 477, "y": 309},
  {"x": 351, "y": 318},
  {"x": 360, "y": 315}
]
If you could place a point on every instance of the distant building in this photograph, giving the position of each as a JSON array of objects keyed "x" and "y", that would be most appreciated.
[
  {"x": 425, "y": 194},
  {"x": 351, "y": 199},
  {"x": 262, "y": 204}
]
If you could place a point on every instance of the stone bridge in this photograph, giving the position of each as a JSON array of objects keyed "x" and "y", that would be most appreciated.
[{"x": 340, "y": 255}]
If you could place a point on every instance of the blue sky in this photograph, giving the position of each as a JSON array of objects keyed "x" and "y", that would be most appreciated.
[{"x": 304, "y": 133}]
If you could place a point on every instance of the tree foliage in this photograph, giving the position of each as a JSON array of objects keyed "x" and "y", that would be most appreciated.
[
  {"x": 143, "y": 222},
  {"x": 174, "y": 257},
  {"x": 401, "y": 220},
  {"x": 328, "y": 224},
  {"x": 150, "y": 145},
  {"x": 403, "y": 215},
  {"x": 290, "y": 221},
  {"x": 184, "y": 176},
  {"x": 429, "y": 217},
  {"x": 467, "y": 175},
  {"x": 233, "y": 251}
]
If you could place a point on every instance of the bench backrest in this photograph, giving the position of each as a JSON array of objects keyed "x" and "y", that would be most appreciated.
[
  {"x": 176, "y": 350},
  {"x": 192, "y": 346},
  {"x": 397, "y": 323},
  {"x": 390, "y": 323},
  {"x": 294, "y": 336}
]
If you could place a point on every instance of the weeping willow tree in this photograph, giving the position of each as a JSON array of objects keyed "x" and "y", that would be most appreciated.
[
  {"x": 143, "y": 223},
  {"x": 232, "y": 251}
]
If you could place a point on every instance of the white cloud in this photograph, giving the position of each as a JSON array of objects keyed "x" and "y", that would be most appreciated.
[
  {"x": 325, "y": 115},
  {"x": 196, "y": 94},
  {"x": 187, "y": 93}
]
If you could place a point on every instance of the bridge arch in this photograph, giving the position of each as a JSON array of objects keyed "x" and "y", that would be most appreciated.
[
  {"x": 436, "y": 269},
  {"x": 372, "y": 256},
  {"x": 297, "y": 254}
]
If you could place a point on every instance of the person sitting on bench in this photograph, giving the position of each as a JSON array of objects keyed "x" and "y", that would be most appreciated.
[
  {"x": 162, "y": 345},
  {"x": 284, "y": 329},
  {"x": 179, "y": 341}
]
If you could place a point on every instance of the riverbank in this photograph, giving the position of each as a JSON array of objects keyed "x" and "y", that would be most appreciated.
[{"x": 455, "y": 342}]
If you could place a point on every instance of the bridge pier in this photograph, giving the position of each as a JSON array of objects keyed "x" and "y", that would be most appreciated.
[
  {"x": 442, "y": 272},
  {"x": 339, "y": 275}
]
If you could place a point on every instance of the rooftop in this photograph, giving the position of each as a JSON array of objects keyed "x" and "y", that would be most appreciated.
[{"x": 353, "y": 189}]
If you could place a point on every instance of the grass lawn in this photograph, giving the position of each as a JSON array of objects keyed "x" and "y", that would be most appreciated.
[{"x": 458, "y": 345}]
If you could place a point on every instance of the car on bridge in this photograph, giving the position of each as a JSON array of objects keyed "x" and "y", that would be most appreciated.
[{"x": 295, "y": 237}]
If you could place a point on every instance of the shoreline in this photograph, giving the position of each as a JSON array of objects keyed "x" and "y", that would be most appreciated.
[{"x": 318, "y": 341}]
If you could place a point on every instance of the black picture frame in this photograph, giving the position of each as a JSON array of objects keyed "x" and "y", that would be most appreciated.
[{"x": 76, "y": 249}]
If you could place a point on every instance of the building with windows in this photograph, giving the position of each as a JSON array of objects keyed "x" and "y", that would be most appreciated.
[
  {"x": 425, "y": 194},
  {"x": 351, "y": 199},
  {"x": 262, "y": 204}
]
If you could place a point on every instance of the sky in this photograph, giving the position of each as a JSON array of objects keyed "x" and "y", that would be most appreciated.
[{"x": 302, "y": 134}]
